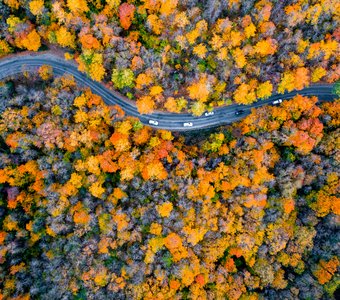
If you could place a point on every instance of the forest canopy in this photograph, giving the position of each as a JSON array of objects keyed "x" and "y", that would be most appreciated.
[
  {"x": 95, "y": 205},
  {"x": 184, "y": 55}
]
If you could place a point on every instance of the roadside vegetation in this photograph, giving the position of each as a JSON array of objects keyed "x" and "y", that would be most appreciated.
[
  {"x": 94, "y": 205},
  {"x": 184, "y": 55}
]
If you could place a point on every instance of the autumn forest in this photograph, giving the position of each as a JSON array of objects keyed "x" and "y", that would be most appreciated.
[{"x": 94, "y": 204}]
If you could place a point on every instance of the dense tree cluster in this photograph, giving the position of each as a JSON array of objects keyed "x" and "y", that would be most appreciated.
[
  {"x": 184, "y": 55},
  {"x": 94, "y": 205}
]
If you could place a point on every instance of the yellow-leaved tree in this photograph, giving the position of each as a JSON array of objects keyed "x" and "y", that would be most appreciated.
[
  {"x": 168, "y": 7},
  {"x": 239, "y": 58},
  {"x": 264, "y": 90},
  {"x": 113, "y": 4},
  {"x": 37, "y": 7},
  {"x": 200, "y": 90},
  {"x": 318, "y": 73},
  {"x": 96, "y": 68},
  {"x": 198, "y": 108},
  {"x": 31, "y": 41},
  {"x": 65, "y": 38},
  {"x": 287, "y": 82},
  {"x": 265, "y": 47},
  {"x": 4, "y": 48},
  {"x": 244, "y": 94},
  {"x": 77, "y": 6},
  {"x": 145, "y": 105},
  {"x": 200, "y": 50}
]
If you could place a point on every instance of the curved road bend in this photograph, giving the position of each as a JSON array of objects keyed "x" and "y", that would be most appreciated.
[{"x": 169, "y": 121}]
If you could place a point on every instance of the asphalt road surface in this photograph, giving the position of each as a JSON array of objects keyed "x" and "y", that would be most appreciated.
[{"x": 170, "y": 121}]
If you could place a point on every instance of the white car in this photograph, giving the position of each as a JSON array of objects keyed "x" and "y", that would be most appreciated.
[
  {"x": 187, "y": 124},
  {"x": 277, "y": 101},
  {"x": 153, "y": 122},
  {"x": 209, "y": 113}
]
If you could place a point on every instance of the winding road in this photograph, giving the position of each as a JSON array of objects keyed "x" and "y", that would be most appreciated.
[{"x": 170, "y": 121}]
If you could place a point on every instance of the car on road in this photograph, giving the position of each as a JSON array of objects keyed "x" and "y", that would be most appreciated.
[
  {"x": 278, "y": 101},
  {"x": 239, "y": 112},
  {"x": 209, "y": 113},
  {"x": 187, "y": 124},
  {"x": 153, "y": 122}
]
